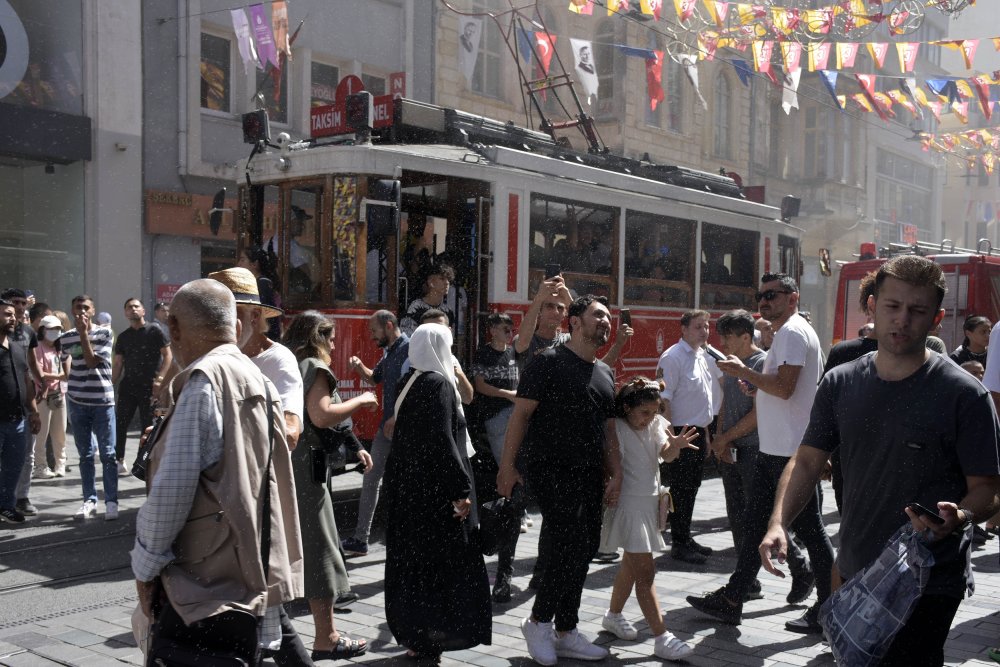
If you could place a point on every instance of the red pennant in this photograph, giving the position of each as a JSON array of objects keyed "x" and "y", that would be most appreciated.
[
  {"x": 907, "y": 55},
  {"x": 846, "y": 53},
  {"x": 878, "y": 51},
  {"x": 867, "y": 83},
  {"x": 654, "y": 79},
  {"x": 982, "y": 86},
  {"x": 969, "y": 47}
]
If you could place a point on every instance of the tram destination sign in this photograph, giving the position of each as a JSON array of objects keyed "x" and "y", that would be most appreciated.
[{"x": 331, "y": 120}]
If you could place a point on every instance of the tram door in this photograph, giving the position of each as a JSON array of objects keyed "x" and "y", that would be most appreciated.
[{"x": 445, "y": 220}]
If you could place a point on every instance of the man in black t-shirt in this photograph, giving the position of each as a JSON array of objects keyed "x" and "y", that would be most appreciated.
[
  {"x": 912, "y": 427},
  {"x": 141, "y": 359},
  {"x": 17, "y": 399},
  {"x": 564, "y": 416}
]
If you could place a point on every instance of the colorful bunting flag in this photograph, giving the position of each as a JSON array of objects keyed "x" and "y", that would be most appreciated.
[
  {"x": 983, "y": 93},
  {"x": 685, "y": 9},
  {"x": 653, "y": 7},
  {"x": 900, "y": 98},
  {"x": 969, "y": 47},
  {"x": 762, "y": 56},
  {"x": 819, "y": 55},
  {"x": 961, "y": 109},
  {"x": 907, "y": 52},
  {"x": 654, "y": 79},
  {"x": 884, "y": 102},
  {"x": 742, "y": 70},
  {"x": 262, "y": 33},
  {"x": 829, "y": 79},
  {"x": 585, "y": 7},
  {"x": 863, "y": 102},
  {"x": 964, "y": 89},
  {"x": 846, "y": 53},
  {"x": 878, "y": 52},
  {"x": 279, "y": 19},
  {"x": 789, "y": 94},
  {"x": 791, "y": 53},
  {"x": 867, "y": 83}
]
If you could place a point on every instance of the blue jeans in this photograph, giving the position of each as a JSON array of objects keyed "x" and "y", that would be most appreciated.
[
  {"x": 12, "y": 442},
  {"x": 94, "y": 429}
]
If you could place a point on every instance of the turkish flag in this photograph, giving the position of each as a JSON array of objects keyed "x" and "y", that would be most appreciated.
[{"x": 546, "y": 44}]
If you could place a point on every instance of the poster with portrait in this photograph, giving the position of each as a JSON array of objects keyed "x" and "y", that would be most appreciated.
[
  {"x": 586, "y": 70},
  {"x": 470, "y": 31}
]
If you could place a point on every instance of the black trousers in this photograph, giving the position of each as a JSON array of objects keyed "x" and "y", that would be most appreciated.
[
  {"x": 807, "y": 526},
  {"x": 570, "y": 500},
  {"x": 684, "y": 476},
  {"x": 920, "y": 643},
  {"x": 130, "y": 399},
  {"x": 293, "y": 652}
]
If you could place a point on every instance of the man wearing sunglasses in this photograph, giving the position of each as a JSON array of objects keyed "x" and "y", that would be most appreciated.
[{"x": 786, "y": 388}]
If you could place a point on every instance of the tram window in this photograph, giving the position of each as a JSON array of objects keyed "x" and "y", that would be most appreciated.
[
  {"x": 577, "y": 236},
  {"x": 301, "y": 234},
  {"x": 658, "y": 260},
  {"x": 344, "y": 238},
  {"x": 728, "y": 266}
]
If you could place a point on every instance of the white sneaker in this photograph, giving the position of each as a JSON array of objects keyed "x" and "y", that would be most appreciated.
[
  {"x": 111, "y": 511},
  {"x": 60, "y": 470},
  {"x": 541, "y": 641},
  {"x": 122, "y": 470},
  {"x": 86, "y": 511},
  {"x": 42, "y": 473},
  {"x": 669, "y": 647},
  {"x": 619, "y": 626},
  {"x": 574, "y": 645}
]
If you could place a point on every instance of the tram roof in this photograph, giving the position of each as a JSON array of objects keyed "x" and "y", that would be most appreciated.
[{"x": 487, "y": 163}]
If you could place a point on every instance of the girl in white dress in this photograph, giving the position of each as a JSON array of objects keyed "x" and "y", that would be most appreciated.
[{"x": 645, "y": 439}]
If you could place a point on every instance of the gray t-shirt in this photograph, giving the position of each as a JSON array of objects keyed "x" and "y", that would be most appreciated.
[
  {"x": 912, "y": 440},
  {"x": 736, "y": 404}
]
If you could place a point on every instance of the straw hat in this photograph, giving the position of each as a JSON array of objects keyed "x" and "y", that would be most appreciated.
[{"x": 244, "y": 287}]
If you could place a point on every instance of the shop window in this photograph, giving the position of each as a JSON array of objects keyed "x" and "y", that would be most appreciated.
[
  {"x": 577, "y": 236},
  {"x": 272, "y": 86},
  {"x": 728, "y": 266},
  {"x": 659, "y": 270},
  {"x": 216, "y": 70},
  {"x": 323, "y": 82}
]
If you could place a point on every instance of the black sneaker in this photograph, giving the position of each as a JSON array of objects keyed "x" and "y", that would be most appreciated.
[
  {"x": 703, "y": 550},
  {"x": 11, "y": 516},
  {"x": 716, "y": 605},
  {"x": 345, "y": 600},
  {"x": 802, "y": 586},
  {"x": 808, "y": 623},
  {"x": 501, "y": 590},
  {"x": 25, "y": 507},
  {"x": 687, "y": 554},
  {"x": 606, "y": 556},
  {"x": 354, "y": 547},
  {"x": 754, "y": 593}
]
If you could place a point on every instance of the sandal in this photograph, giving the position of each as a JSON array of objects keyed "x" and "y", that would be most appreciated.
[
  {"x": 994, "y": 654},
  {"x": 344, "y": 648}
]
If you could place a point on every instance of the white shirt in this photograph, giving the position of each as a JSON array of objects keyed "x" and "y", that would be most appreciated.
[
  {"x": 641, "y": 456},
  {"x": 782, "y": 423},
  {"x": 992, "y": 377},
  {"x": 278, "y": 364},
  {"x": 689, "y": 384}
]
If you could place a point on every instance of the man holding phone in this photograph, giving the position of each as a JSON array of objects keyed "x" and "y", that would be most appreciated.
[{"x": 913, "y": 428}]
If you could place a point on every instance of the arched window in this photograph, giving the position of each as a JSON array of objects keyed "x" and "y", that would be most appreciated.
[{"x": 722, "y": 117}]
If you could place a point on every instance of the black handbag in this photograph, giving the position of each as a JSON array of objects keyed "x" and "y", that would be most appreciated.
[
  {"x": 229, "y": 639},
  {"x": 500, "y": 521},
  {"x": 329, "y": 458},
  {"x": 145, "y": 449}
]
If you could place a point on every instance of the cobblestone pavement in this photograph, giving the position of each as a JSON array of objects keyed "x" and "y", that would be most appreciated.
[{"x": 101, "y": 634}]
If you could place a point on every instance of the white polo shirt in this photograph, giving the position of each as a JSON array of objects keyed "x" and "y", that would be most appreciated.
[
  {"x": 782, "y": 423},
  {"x": 689, "y": 380}
]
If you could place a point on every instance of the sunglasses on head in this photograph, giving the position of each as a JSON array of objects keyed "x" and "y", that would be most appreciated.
[{"x": 769, "y": 295}]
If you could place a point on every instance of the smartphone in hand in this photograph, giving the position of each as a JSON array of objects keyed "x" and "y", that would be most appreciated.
[
  {"x": 715, "y": 354},
  {"x": 926, "y": 513},
  {"x": 626, "y": 317},
  {"x": 552, "y": 270}
]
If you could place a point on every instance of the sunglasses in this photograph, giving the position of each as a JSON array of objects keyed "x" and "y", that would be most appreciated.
[{"x": 769, "y": 295}]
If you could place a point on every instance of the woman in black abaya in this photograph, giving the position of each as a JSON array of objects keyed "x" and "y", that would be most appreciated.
[{"x": 436, "y": 588}]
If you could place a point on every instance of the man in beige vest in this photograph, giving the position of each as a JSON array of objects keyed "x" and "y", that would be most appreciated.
[{"x": 198, "y": 535}]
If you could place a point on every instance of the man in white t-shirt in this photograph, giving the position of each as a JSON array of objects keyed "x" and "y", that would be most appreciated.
[
  {"x": 279, "y": 365},
  {"x": 786, "y": 387}
]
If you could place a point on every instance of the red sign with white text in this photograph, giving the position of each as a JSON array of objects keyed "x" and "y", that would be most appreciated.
[
  {"x": 397, "y": 84},
  {"x": 331, "y": 120}
]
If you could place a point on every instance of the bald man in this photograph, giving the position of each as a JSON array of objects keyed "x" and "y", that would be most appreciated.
[{"x": 217, "y": 437}]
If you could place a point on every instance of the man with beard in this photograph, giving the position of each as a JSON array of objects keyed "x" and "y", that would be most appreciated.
[
  {"x": 912, "y": 428},
  {"x": 395, "y": 344},
  {"x": 564, "y": 416},
  {"x": 142, "y": 357},
  {"x": 17, "y": 401}
]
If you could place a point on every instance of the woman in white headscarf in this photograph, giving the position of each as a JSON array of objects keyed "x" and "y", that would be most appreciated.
[{"x": 436, "y": 587}]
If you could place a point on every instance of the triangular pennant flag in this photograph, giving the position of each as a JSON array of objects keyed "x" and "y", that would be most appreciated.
[
  {"x": 989, "y": 163},
  {"x": 685, "y": 8},
  {"x": 944, "y": 88},
  {"x": 653, "y": 7},
  {"x": 884, "y": 103},
  {"x": 713, "y": 12},
  {"x": 969, "y": 47},
  {"x": 996, "y": 43},
  {"x": 742, "y": 70},
  {"x": 784, "y": 20},
  {"x": 789, "y": 96},
  {"x": 863, "y": 102},
  {"x": 964, "y": 89},
  {"x": 545, "y": 45},
  {"x": 581, "y": 7},
  {"x": 654, "y": 79},
  {"x": 631, "y": 51},
  {"x": 708, "y": 42},
  {"x": 846, "y": 53},
  {"x": 819, "y": 55},
  {"x": 525, "y": 38},
  {"x": 244, "y": 40},
  {"x": 867, "y": 83},
  {"x": 721, "y": 13},
  {"x": 983, "y": 93},
  {"x": 900, "y": 98},
  {"x": 907, "y": 52},
  {"x": 961, "y": 110},
  {"x": 762, "y": 56},
  {"x": 791, "y": 53},
  {"x": 829, "y": 79},
  {"x": 878, "y": 51},
  {"x": 842, "y": 101},
  {"x": 916, "y": 95},
  {"x": 935, "y": 108}
]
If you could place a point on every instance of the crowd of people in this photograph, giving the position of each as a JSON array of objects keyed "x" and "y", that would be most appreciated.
[{"x": 239, "y": 521}]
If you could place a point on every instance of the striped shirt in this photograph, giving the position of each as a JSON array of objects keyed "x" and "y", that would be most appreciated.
[{"x": 90, "y": 386}]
